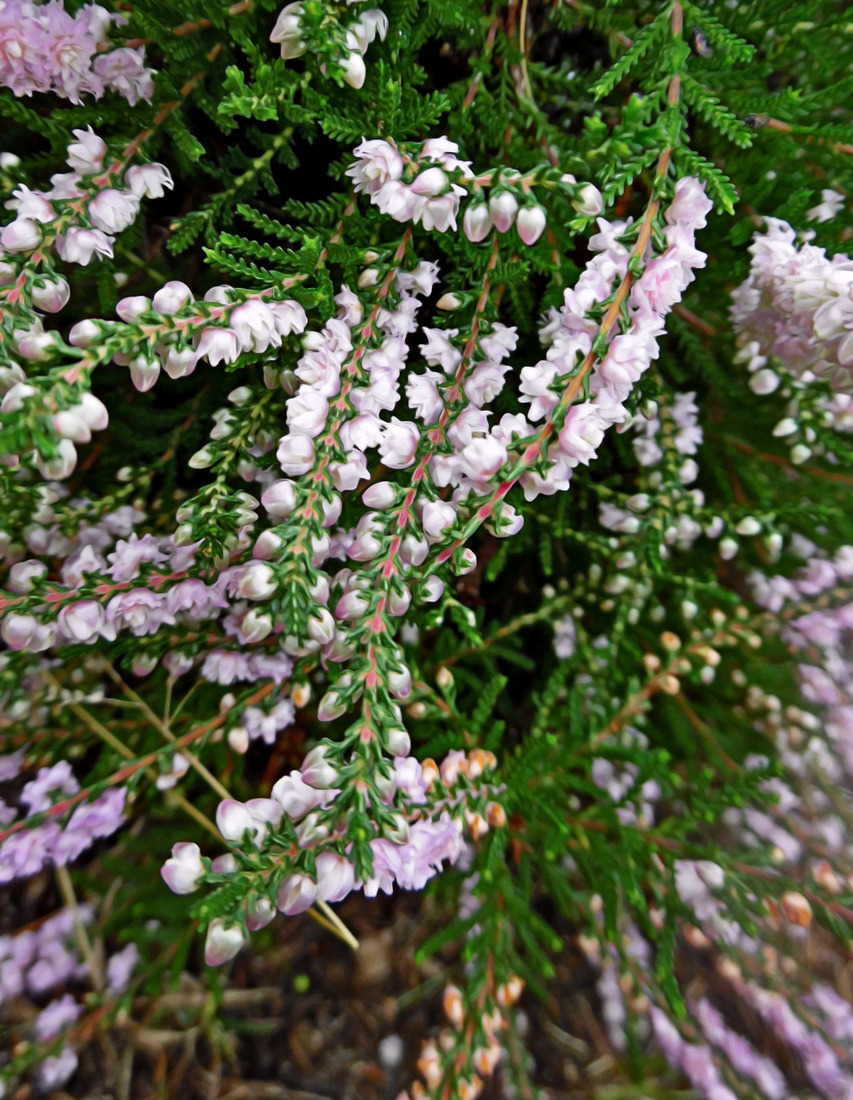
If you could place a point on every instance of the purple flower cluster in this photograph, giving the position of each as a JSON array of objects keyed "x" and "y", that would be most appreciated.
[
  {"x": 43, "y": 48},
  {"x": 424, "y": 841},
  {"x": 795, "y": 306},
  {"x": 27, "y": 850}
]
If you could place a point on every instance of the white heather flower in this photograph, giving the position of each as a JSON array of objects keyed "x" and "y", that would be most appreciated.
[
  {"x": 438, "y": 516},
  {"x": 399, "y": 443},
  {"x": 21, "y": 235},
  {"x": 589, "y": 201},
  {"x": 530, "y": 223},
  {"x": 378, "y": 162},
  {"x": 296, "y": 454},
  {"x": 257, "y": 582},
  {"x": 222, "y": 943},
  {"x": 432, "y": 182},
  {"x": 503, "y": 208},
  {"x": 86, "y": 155},
  {"x": 78, "y": 246},
  {"x": 218, "y": 345},
  {"x": 52, "y": 295},
  {"x": 355, "y": 71},
  {"x": 287, "y": 31},
  {"x": 112, "y": 210},
  {"x": 148, "y": 180},
  {"x": 184, "y": 870},
  {"x": 171, "y": 297}
]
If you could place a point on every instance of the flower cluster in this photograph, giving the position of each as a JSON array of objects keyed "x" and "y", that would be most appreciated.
[
  {"x": 427, "y": 188},
  {"x": 290, "y": 30},
  {"x": 26, "y": 849},
  {"x": 44, "y": 48},
  {"x": 796, "y": 307},
  {"x": 434, "y": 805}
]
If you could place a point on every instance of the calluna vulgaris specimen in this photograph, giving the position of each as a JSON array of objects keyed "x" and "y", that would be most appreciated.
[{"x": 486, "y": 532}]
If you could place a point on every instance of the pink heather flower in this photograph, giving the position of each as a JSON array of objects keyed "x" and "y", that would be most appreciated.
[
  {"x": 689, "y": 205},
  {"x": 78, "y": 245},
  {"x": 112, "y": 210},
  {"x": 503, "y": 208},
  {"x": 477, "y": 222},
  {"x": 378, "y": 162},
  {"x": 287, "y": 31},
  {"x": 52, "y": 296},
  {"x": 295, "y": 796},
  {"x": 297, "y": 893},
  {"x": 482, "y": 458},
  {"x": 296, "y": 454},
  {"x": 399, "y": 443},
  {"x": 138, "y": 610},
  {"x": 123, "y": 71},
  {"x": 335, "y": 876},
  {"x": 582, "y": 433},
  {"x": 31, "y": 204},
  {"x": 21, "y": 235},
  {"x": 148, "y": 180},
  {"x": 184, "y": 871},
  {"x": 56, "y": 1017},
  {"x": 218, "y": 345},
  {"x": 86, "y": 155},
  {"x": 307, "y": 411},
  {"x": 223, "y": 942},
  {"x": 530, "y": 223},
  {"x": 82, "y": 621},
  {"x": 254, "y": 323},
  {"x": 437, "y": 517}
]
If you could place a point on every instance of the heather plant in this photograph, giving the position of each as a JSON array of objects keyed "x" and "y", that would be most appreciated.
[{"x": 425, "y": 445}]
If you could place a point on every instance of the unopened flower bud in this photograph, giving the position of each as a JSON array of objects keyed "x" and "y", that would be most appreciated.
[
  {"x": 503, "y": 208},
  {"x": 222, "y": 943},
  {"x": 448, "y": 301},
  {"x": 530, "y": 224}
]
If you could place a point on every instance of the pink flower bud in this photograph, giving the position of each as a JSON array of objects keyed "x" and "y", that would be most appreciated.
[
  {"x": 21, "y": 235},
  {"x": 23, "y": 573},
  {"x": 267, "y": 545},
  {"x": 148, "y": 180},
  {"x": 18, "y": 631},
  {"x": 183, "y": 872},
  {"x": 477, "y": 222},
  {"x": 380, "y": 496},
  {"x": 83, "y": 334},
  {"x": 52, "y": 296},
  {"x": 60, "y": 467},
  {"x": 530, "y": 223},
  {"x": 321, "y": 626},
  {"x": 335, "y": 876},
  {"x": 82, "y": 621},
  {"x": 261, "y": 912},
  {"x": 317, "y": 771},
  {"x": 503, "y": 207},
  {"x": 294, "y": 795},
  {"x": 144, "y": 373},
  {"x": 131, "y": 309},
  {"x": 331, "y": 707},
  {"x": 400, "y": 683},
  {"x": 171, "y": 297},
  {"x": 398, "y": 742},
  {"x": 279, "y": 499},
  {"x": 432, "y": 590},
  {"x": 297, "y": 893},
  {"x": 222, "y": 943},
  {"x": 355, "y": 71},
  {"x": 233, "y": 820},
  {"x": 437, "y": 517},
  {"x": 180, "y": 364},
  {"x": 589, "y": 201},
  {"x": 113, "y": 211},
  {"x": 296, "y": 454},
  {"x": 432, "y": 182},
  {"x": 257, "y": 582},
  {"x": 255, "y": 626}
]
